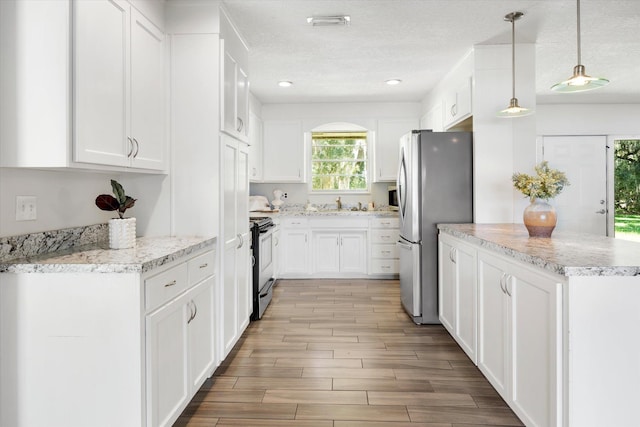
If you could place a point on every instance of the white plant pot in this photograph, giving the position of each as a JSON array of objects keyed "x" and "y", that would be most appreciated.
[{"x": 122, "y": 233}]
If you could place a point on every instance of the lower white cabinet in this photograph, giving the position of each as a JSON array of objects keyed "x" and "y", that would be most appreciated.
[
  {"x": 384, "y": 256},
  {"x": 180, "y": 352},
  {"x": 519, "y": 329},
  {"x": 339, "y": 252},
  {"x": 106, "y": 349},
  {"x": 294, "y": 252},
  {"x": 457, "y": 293}
]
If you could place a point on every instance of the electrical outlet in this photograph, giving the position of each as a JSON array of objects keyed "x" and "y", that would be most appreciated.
[
  {"x": 26, "y": 208},
  {"x": 285, "y": 195}
]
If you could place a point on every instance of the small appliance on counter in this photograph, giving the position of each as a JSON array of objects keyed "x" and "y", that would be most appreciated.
[
  {"x": 393, "y": 197},
  {"x": 277, "y": 201},
  {"x": 259, "y": 204}
]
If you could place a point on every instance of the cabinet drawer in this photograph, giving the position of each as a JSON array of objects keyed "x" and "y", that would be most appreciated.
[
  {"x": 385, "y": 266},
  {"x": 385, "y": 223},
  {"x": 201, "y": 266},
  {"x": 389, "y": 251},
  {"x": 385, "y": 236},
  {"x": 295, "y": 223},
  {"x": 164, "y": 286}
]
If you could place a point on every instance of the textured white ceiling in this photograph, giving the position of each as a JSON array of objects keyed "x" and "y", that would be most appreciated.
[{"x": 418, "y": 41}]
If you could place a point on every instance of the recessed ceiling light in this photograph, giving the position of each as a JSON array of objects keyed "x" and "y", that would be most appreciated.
[
  {"x": 285, "y": 83},
  {"x": 329, "y": 20},
  {"x": 393, "y": 82}
]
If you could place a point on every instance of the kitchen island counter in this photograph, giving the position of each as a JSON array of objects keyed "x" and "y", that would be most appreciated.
[{"x": 565, "y": 253}]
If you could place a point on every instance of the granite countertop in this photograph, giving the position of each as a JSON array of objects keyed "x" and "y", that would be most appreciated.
[
  {"x": 565, "y": 253},
  {"x": 149, "y": 253}
]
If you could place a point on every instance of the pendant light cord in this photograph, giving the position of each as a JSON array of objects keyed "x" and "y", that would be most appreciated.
[
  {"x": 513, "y": 57},
  {"x": 579, "y": 50}
]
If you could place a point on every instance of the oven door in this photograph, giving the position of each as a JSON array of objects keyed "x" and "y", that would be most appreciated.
[{"x": 266, "y": 248}]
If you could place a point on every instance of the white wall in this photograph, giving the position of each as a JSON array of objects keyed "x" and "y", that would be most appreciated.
[
  {"x": 588, "y": 119},
  {"x": 67, "y": 199}
]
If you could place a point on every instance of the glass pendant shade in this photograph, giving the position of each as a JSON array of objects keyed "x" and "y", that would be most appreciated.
[
  {"x": 513, "y": 110},
  {"x": 579, "y": 81}
]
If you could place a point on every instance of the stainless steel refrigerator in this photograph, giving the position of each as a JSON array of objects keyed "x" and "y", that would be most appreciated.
[{"x": 435, "y": 185}]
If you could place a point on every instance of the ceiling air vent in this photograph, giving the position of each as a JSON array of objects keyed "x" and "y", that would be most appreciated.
[{"x": 326, "y": 21}]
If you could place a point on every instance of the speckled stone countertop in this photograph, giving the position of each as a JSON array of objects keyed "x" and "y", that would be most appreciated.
[
  {"x": 149, "y": 253},
  {"x": 325, "y": 213},
  {"x": 567, "y": 254}
]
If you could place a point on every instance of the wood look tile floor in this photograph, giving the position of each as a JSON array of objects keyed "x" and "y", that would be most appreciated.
[{"x": 343, "y": 353}]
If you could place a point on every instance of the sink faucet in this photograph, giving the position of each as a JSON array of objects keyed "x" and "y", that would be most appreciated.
[{"x": 339, "y": 203}]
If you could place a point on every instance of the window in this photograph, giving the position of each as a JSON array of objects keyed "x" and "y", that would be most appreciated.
[{"x": 339, "y": 161}]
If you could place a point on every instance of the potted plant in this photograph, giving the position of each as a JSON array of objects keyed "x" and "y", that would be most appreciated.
[
  {"x": 122, "y": 231},
  {"x": 540, "y": 217}
]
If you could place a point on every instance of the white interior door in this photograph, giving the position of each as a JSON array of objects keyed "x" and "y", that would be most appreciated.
[{"x": 582, "y": 206}]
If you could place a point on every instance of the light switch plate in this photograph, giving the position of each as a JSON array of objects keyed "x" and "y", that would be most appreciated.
[{"x": 26, "y": 208}]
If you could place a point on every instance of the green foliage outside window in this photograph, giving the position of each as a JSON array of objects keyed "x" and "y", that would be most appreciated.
[
  {"x": 627, "y": 177},
  {"x": 339, "y": 161}
]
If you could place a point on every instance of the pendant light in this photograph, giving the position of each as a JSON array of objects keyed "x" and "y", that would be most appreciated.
[
  {"x": 514, "y": 110},
  {"x": 580, "y": 81}
]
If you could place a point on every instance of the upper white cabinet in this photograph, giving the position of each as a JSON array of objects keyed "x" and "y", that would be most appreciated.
[
  {"x": 457, "y": 103},
  {"x": 387, "y": 147},
  {"x": 234, "y": 98},
  {"x": 255, "y": 148},
  {"x": 283, "y": 151},
  {"x": 119, "y": 103},
  {"x": 433, "y": 119}
]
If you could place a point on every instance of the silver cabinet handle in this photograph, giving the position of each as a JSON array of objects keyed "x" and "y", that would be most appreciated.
[
  {"x": 240, "y": 124},
  {"x": 506, "y": 284},
  {"x": 171, "y": 283},
  {"x": 601, "y": 211},
  {"x": 241, "y": 241},
  {"x": 337, "y": 243},
  {"x": 385, "y": 252},
  {"x": 137, "y": 148},
  {"x": 193, "y": 312},
  {"x": 253, "y": 260},
  {"x": 131, "y": 145},
  {"x": 205, "y": 265},
  {"x": 502, "y": 282}
]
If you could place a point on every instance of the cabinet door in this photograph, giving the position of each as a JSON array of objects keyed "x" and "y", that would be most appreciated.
[
  {"x": 201, "y": 326},
  {"x": 326, "y": 252},
  {"x": 447, "y": 285},
  {"x": 101, "y": 79},
  {"x": 255, "y": 148},
  {"x": 493, "y": 315},
  {"x": 242, "y": 103},
  {"x": 536, "y": 352},
  {"x": 229, "y": 91},
  {"x": 232, "y": 242},
  {"x": 168, "y": 388},
  {"x": 466, "y": 299},
  {"x": 229, "y": 299},
  {"x": 283, "y": 150},
  {"x": 353, "y": 253},
  {"x": 147, "y": 93},
  {"x": 458, "y": 103},
  {"x": 387, "y": 147},
  {"x": 294, "y": 251}
]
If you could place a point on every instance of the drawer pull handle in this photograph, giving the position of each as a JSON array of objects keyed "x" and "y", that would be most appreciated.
[
  {"x": 171, "y": 283},
  {"x": 205, "y": 265},
  {"x": 386, "y": 267},
  {"x": 386, "y": 252}
]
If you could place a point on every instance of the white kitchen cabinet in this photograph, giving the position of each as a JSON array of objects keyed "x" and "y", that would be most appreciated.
[
  {"x": 255, "y": 148},
  {"x": 457, "y": 292},
  {"x": 234, "y": 99},
  {"x": 384, "y": 256},
  {"x": 457, "y": 103},
  {"x": 519, "y": 331},
  {"x": 433, "y": 119},
  {"x": 283, "y": 151},
  {"x": 147, "y": 338},
  {"x": 237, "y": 298},
  {"x": 119, "y": 101},
  {"x": 295, "y": 247},
  {"x": 339, "y": 253},
  {"x": 387, "y": 147}
]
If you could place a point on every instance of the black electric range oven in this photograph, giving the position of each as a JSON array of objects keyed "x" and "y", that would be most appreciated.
[{"x": 262, "y": 250}]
